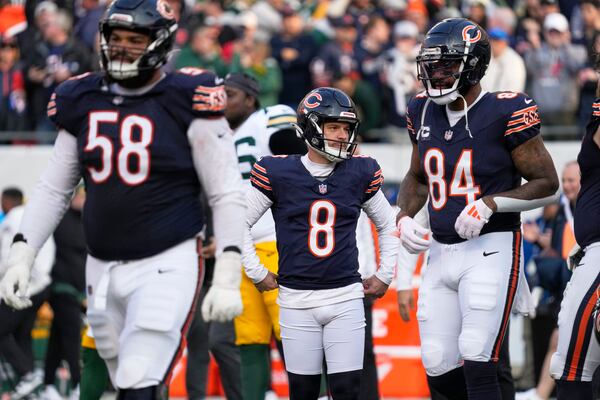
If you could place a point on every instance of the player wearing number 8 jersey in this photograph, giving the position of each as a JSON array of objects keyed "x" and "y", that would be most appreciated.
[
  {"x": 145, "y": 143},
  {"x": 470, "y": 151},
  {"x": 316, "y": 201}
]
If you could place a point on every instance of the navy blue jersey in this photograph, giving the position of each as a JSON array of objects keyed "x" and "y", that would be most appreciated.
[
  {"x": 135, "y": 158},
  {"x": 461, "y": 169},
  {"x": 587, "y": 209},
  {"x": 315, "y": 221}
]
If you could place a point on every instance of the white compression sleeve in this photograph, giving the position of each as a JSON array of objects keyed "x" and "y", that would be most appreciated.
[
  {"x": 53, "y": 192},
  {"x": 384, "y": 217},
  {"x": 257, "y": 204},
  {"x": 508, "y": 204},
  {"x": 217, "y": 167}
]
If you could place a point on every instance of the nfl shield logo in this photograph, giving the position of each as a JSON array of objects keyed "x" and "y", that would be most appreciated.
[
  {"x": 322, "y": 188},
  {"x": 448, "y": 135}
]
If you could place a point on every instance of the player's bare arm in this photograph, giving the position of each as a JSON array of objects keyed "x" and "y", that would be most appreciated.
[
  {"x": 269, "y": 283},
  {"x": 534, "y": 163},
  {"x": 413, "y": 190}
]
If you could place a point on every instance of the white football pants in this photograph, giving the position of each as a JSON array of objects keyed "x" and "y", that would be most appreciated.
[
  {"x": 139, "y": 311},
  {"x": 336, "y": 330},
  {"x": 466, "y": 296}
]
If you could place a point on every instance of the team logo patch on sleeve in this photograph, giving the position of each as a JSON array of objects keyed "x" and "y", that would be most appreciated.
[
  {"x": 522, "y": 119},
  {"x": 207, "y": 98}
]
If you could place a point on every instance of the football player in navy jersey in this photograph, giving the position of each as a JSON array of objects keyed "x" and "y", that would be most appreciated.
[
  {"x": 145, "y": 143},
  {"x": 470, "y": 150},
  {"x": 316, "y": 200},
  {"x": 578, "y": 354}
]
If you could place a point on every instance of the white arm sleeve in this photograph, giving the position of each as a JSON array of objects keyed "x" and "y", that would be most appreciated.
[
  {"x": 384, "y": 217},
  {"x": 258, "y": 204},
  {"x": 508, "y": 204},
  {"x": 53, "y": 192},
  {"x": 216, "y": 164},
  {"x": 407, "y": 262}
]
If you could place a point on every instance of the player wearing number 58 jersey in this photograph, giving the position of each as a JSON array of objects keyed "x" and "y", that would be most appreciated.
[
  {"x": 470, "y": 151},
  {"x": 316, "y": 200},
  {"x": 145, "y": 144}
]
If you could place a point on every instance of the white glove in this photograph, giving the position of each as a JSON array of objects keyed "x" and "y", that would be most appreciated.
[
  {"x": 471, "y": 220},
  {"x": 574, "y": 258},
  {"x": 13, "y": 287},
  {"x": 412, "y": 235},
  {"x": 223, "y": 302}
]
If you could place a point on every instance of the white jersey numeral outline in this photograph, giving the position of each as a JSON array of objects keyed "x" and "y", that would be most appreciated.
[
  {"x": 462, "y": 183},
  {"x": 129, "y": 147},
  {"x": 325, "y": 227}
]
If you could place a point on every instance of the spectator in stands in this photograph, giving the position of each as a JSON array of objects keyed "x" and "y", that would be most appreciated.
[
  {"x": 400, "y": 73},
  {"x": 365, "y": 99},
  {"x": 477, "y": 12},
  {"x": 203, "y": 51},
  {"x": 552, "y": 276},
  {"x": 507, "y": 69},
  {"x": 256, "y": 61},
  {"x": 374, "y": 42},
  {"x": 269, "y": 16},
  {"x": 16, "y": 325},
  {"x": 294, "y": 50},
  {"x": 12, "y": 87},
  {"x": 67, "y": 295},
  {"x": 86, "y": 28},
  {"x": 337, "y": 56},
  {"x": 552, "y": 68},
  {"x": 54, "y": 59}
]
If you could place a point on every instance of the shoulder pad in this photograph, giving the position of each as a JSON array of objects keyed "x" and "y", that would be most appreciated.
[
  {"x": 204, "y": 89},
  {"x": 280, "y": 117},
  {"x": 63, "y": 105}
]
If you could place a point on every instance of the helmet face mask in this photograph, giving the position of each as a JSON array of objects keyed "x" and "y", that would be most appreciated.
[
  {"x": 454, "y": 57},
  {"x": 123, "y": 60},
  {"x": 322, "y": 106}
]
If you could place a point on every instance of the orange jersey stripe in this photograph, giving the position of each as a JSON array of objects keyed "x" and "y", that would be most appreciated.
[{"x": 581, "y": 334}]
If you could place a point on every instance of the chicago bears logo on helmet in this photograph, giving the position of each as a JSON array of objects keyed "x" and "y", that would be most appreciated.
[
  {"x": 313, "y": 104},
  {"x": 467, "y": 37}
]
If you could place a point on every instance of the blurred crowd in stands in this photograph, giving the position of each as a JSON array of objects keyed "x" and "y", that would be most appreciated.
[{"x": 366, "y": 48}]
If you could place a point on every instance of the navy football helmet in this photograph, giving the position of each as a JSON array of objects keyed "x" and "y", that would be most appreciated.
[
  {"x": 454, "y": 56},
  {"x": 154, "y": 18},
  {"x": 326, "y": 104}
]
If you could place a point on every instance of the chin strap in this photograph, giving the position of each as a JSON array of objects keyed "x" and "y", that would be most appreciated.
[
  {"x": 466, "y": 109},
  {"x": 423, "y": 117}
]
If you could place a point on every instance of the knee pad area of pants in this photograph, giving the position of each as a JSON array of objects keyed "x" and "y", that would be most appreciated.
[
  {"x": 105, "y": 334},
  {"x": 432, "y": 354},
  {"x": 471, "y": 344},
  {"x": 131, "y": 371}
]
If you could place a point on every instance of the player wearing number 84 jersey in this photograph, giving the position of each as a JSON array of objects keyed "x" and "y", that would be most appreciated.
[
  {"x": 316, "y": 200},
  {"x": 470, "y": 151}
]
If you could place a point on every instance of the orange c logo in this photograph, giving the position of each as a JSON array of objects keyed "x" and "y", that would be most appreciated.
[
  {"x": 309, "y": 104},
  {"x": 467, "y": 37}
]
